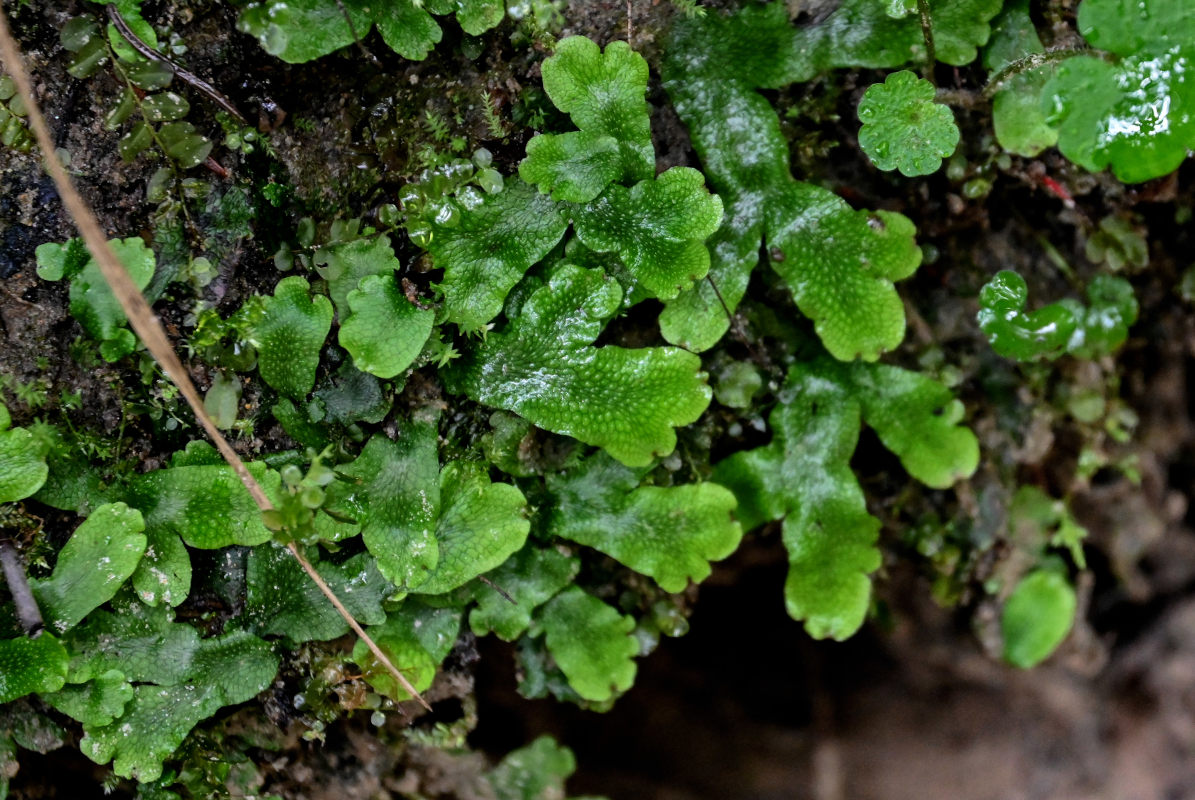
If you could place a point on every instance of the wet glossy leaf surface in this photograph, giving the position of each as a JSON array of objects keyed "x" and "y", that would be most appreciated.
[
  {"x": 591, "y": 643},
  {"x": 224, "y": 671},
  {"x": 301, "y": 30},
  {"x": 903, "y": 128},
  {"x": 344, "y": 266},
  {"x": 864, "y": 33},
  {"x": 97, "y": 702},
  {"x": 481, "y": 524},
  {"x": 164, "y": 572},
  {"x": 543, "y": 366},
  {"x": 670, "y": 533},
  {"x": 98, "y": 558},
  {"x": 534, "y": 772},
  {"x": 206, "y": 505},
  {"x": 142, "y": 643},
  {"x": 1135, "y": 114},
  {"x": 1065, "y": 326},
  {"x": 398, "y": 500},
  {"x": 31, "y": 665},
  {"x": 416, "y": 638},
  {"x": 532, "y": 577},
  {"x": 573, "y": 167},
  {"x": 384, "y": 331},
  {"x": 490, "y": 249},
  {"x": 1126, "y": 27},
  {"x": 840, "y": 263},
  {"x": 431, "y": 530},
  {"x": 657, "y": 227},
  {"x": 603, "y": 94},
  {"x": 804, "y": 477},
  {"x": 289, "y": 335},
  {"x": 282, "y": 601},
  {"x": 1020, "y": 124}
]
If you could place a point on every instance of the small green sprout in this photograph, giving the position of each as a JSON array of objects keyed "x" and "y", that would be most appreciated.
[
  {"x": 1040, "y": 609},
  {"x": 222, "y": 400},
  {"x": 1062, "y": 327},
  {"x": 14, "y": 131},
  {"x": 1039, "y": 521},
  {"x": 92, "y": 302},
  {"x": 591, "y": 643},
  {"x": 301, "y": 495},
  {"x": 1118, "y": 244},
  {"x": 903, "y": 128},
  {"x": 1037, "y": 617}
]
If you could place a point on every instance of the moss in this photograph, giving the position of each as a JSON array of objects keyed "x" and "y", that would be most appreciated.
[{"x": 478, "y": 454}]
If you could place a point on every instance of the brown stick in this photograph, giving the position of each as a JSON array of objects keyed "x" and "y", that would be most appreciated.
[
  {"x": 147, "y": 326},
  {"x": 356, "y": 626}
]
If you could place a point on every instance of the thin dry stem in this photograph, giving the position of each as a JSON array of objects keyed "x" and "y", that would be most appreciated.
[
  {"x": 145, "y": 323},
  {"x": 356, "y": 626}
]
